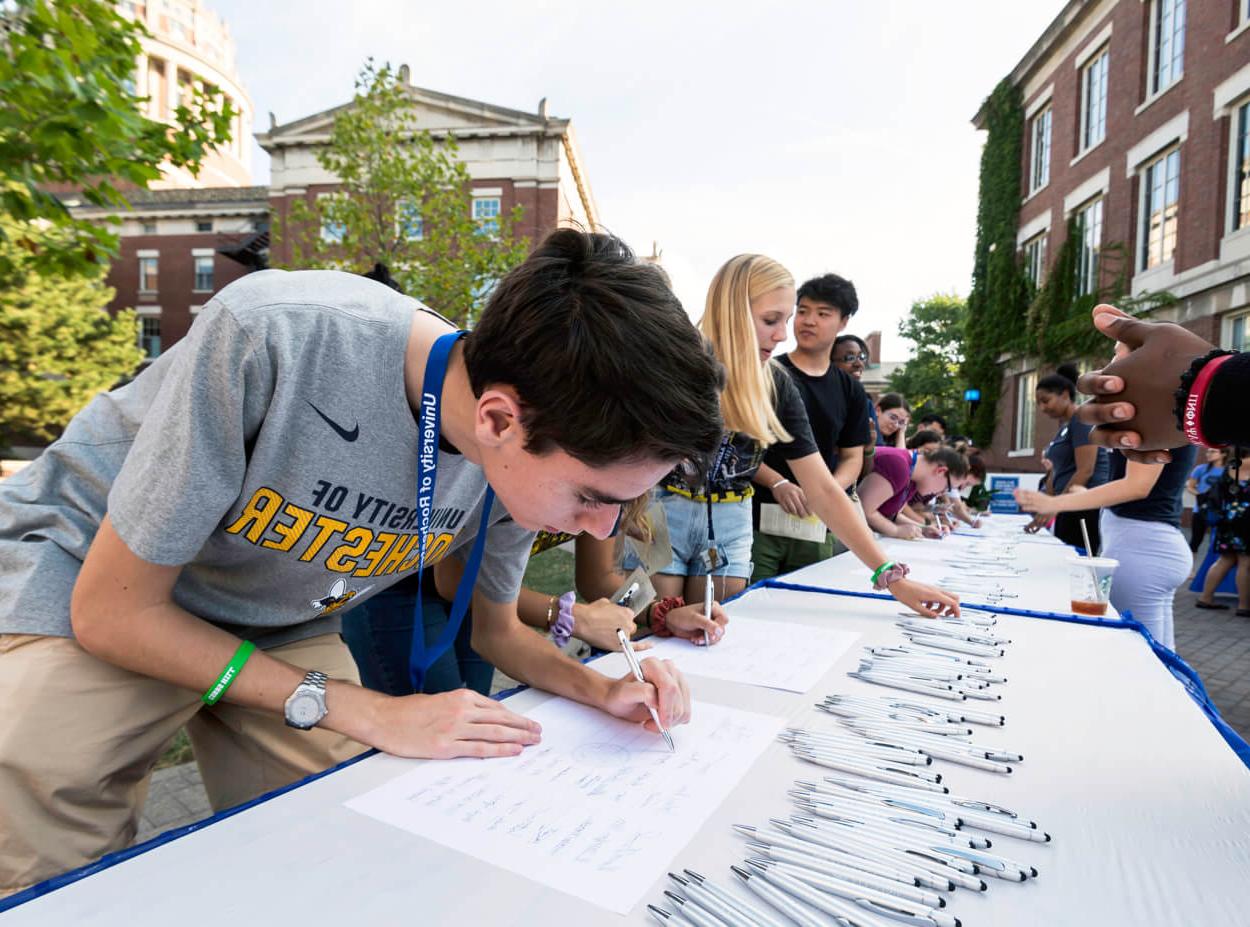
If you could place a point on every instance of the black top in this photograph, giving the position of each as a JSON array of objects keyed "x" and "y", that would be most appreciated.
[
  {"x": 743, "y": 454},
  {"x": 1061, "y": 452},
  {"x": 1164, "y": 502},
  {"x": 837, "y": 408}
]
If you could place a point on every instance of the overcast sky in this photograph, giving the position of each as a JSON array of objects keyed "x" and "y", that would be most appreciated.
[{"x": 831, "y": 135}]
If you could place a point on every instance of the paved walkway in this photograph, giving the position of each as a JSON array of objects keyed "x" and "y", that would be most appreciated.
[{"x": 1216, "y": 644}]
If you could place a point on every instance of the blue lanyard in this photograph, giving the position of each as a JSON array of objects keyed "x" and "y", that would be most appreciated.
[{"x": 427, "y": 470}]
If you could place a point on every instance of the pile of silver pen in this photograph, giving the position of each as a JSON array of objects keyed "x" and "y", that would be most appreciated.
[{"x": 862, "y": 853}]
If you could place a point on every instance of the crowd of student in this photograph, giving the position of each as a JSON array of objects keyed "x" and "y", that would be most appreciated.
[{"x": 216, "y": 526}]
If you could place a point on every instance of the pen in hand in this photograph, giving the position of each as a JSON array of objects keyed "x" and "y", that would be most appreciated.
[
  {"x": 636, "y": 668},
  {"x": 707, "y": 606}
]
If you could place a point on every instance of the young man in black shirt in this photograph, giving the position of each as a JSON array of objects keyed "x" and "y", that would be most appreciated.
[{"x": 837, "y": 408}]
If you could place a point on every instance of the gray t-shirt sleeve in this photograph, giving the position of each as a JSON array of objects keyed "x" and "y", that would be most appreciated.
[
  {"x": 504, "y": 560},
  {"x": 187, "y": 464}
]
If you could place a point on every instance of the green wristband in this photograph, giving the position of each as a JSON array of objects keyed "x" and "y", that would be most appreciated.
[
  {"x": 881, "y": 569},
  {"x": 218, "y": 689}
]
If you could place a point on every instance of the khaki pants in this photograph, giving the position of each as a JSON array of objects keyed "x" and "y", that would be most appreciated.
[{"x": 79, "y": 738}]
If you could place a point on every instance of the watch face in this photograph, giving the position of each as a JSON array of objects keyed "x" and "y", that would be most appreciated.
[{"x": 305, "y": 709}]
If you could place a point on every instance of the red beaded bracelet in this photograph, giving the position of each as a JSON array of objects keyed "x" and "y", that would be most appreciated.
[{"x": 660, "y": 610}]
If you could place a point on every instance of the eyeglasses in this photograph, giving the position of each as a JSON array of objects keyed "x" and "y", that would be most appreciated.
[
  {"x": 852, "y": 358},
  {"x": 899, "y": 420}
]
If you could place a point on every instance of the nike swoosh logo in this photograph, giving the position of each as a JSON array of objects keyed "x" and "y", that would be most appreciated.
[{"x": 338, "y": 429}]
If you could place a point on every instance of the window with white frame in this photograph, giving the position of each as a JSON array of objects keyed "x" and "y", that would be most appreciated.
[
  {"x": 1167, "y": 44},
  {"x": 1236, "y": 328},
  {"x": 1039, "y": 160},
  {"x": 486, "y": 214},
  {"x": 1161, "y": 186},
  {"x": 1089, "y": 242},
  {"x": 1094, "y": 100},
  {"x": 1034, "y": 252},
  {"x": 1240, "y": 184},
  {"x": 150, "y": 336},
  {"x": 408, "y": 222},
  {"x": 332, "y": 230},
  {"x": 149, "y": 268},
  {"x": 1026, "y": 410},
  {"x": 203, "y": 273}
]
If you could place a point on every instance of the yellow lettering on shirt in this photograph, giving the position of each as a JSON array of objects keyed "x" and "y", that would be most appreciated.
[
  {"x": 397, "y": 554},
  {"x": 257, "y": 514},
  {"x": 369, "y": 562},
  {"x": 288, "y": 534},
  {"x": 355, "y": 543},
  {"x": 326, "y": 526}
]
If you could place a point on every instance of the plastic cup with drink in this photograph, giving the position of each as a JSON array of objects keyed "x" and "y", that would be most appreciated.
[{"x": 1090, "y": 581}]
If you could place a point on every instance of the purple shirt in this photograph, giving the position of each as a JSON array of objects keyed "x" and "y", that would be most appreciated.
[{"x": 894, "y": 465}]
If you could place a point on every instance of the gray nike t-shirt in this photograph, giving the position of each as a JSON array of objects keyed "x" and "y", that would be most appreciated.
[{"x": 272, "y": 453}]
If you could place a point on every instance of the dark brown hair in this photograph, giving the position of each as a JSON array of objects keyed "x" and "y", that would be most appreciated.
[{"x": 603, "y": 357}]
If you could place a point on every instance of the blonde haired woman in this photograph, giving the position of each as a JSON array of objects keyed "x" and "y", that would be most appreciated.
[{"x": 749, "y": 305}]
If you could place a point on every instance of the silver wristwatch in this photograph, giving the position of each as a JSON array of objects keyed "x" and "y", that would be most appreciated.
[{"x": 306, "y": 706}]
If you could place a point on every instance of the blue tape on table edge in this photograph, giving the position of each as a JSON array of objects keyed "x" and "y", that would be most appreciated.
[{"x": 1181, "y": 670}]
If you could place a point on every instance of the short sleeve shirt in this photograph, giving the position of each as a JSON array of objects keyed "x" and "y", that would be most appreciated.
[
  {"x": 894, "y": 464},
  {"x": 1061, "y": 452}
]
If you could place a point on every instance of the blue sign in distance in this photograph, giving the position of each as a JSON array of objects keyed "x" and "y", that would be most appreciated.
[{"x": 972, "y": 395}]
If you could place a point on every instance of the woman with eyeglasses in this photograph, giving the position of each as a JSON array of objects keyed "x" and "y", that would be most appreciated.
[
  {"x": 749, "y": 305},
  {"x": 899, "y": 475},
  {"x": 893, "y": 415}
]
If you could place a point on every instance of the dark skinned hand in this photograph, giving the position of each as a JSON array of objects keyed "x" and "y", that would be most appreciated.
[{"x": 1134, "y": 396}]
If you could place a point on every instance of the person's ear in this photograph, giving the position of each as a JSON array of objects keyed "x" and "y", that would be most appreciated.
[{"x": 498, "y": 418}]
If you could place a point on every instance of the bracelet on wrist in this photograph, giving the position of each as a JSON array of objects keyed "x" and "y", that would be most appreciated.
[
  {"x": 1191, "y": 394},
  {"x": 783, "y": 480},
  {"x": 659, "y": 614},
  {"x": 228, "y": 675},
  {"x": 889, "y": 572},
  {"x": 562, "y": 628}
]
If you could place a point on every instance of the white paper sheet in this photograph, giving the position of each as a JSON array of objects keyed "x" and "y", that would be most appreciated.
[
  {"x": 772, "y": 654},
  {"x": 596, "y": 810}
]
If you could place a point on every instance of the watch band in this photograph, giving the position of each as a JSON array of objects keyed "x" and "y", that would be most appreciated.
[{"x": 316, "y": 679}]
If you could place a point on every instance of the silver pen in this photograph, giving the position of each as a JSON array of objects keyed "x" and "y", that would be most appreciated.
[
  {"x": 636, "y": 668},
  {"x": 710, "y": 903},
  {"x": 747, "y": 910}
]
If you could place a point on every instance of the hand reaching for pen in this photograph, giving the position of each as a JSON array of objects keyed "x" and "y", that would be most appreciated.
[
  {"x": 1030, "y": 500},
  {"x": 688, "y": 622},
  {"x": 450, "y": 724},
  {"x": 924, "y": 599},
  {"x": 1037, "y": 524},
  {"x": 665, "y": 690}
]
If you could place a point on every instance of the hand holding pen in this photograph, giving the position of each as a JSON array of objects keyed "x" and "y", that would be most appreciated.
[{"x": 671, "y": 694}]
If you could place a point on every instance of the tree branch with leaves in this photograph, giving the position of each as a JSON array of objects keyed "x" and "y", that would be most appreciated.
[{"x": 405, "y": 200}]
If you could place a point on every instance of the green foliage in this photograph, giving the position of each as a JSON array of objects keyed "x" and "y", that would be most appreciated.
[
  {"x": 69, "y": 118},
  {"x": 58, "y": 347},
  {"x": 932, "y": 380},
  {"x": 392, "y": 172},
  {"x": 1059, "y": 327},
  {"x": 1000, "y": 292}
]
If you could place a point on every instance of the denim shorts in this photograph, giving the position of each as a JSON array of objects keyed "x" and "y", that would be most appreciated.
[{"x": 687, "y": 529}]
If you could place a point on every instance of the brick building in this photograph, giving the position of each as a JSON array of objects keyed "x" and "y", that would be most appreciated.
[
  {"x": 180, "y": 245},
  {"x": 513, "y": 157},
  {"x": 1137, "y": 126}
]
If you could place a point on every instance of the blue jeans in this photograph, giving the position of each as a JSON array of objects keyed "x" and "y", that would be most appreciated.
[
  {"x": 687, "y": 530},
  {"x": 379, "y": 635}
]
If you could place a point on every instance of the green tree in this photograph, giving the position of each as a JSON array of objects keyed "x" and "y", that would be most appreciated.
[
  {"x": 931, "y": 380},
  {"x": 69, "y": 118},
  {"x": 405, "y": 201},
  {"x": 58, "y": 347}
]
